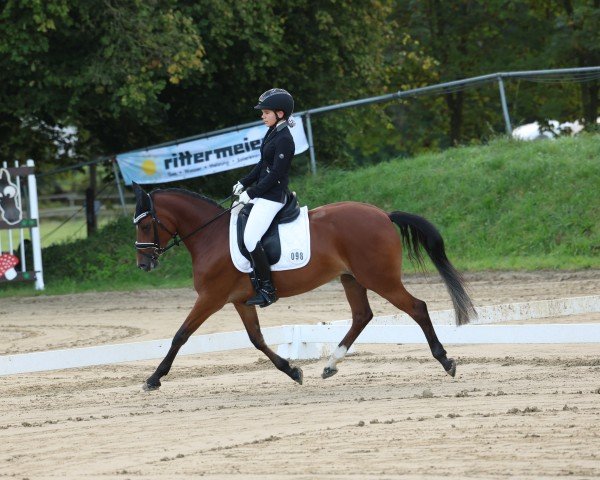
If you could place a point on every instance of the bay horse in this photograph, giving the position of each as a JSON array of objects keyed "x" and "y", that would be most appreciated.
[{"x": 356, "y": 242}]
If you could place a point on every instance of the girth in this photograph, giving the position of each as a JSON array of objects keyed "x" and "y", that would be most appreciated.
[{"x": 270, "y": 240}]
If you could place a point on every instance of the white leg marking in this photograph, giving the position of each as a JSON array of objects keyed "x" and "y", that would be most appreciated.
[{"x": 337, "y": 356}]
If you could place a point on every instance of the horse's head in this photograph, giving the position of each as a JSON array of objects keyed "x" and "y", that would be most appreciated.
[
  {"x": 153, "y": 234},
  {"x": 10, "y": 203}
]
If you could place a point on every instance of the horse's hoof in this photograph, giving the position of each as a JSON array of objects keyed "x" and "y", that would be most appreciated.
[
  {"x": 329, "y": 372},
  {"x": 147, "y": 387},
  {"x": 452, "y": 370},
  {"x": 297, "y": 375}
]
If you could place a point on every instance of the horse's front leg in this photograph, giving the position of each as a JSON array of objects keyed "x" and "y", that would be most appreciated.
[
  {"x": 250, "y": 320},
  {"x": 204, "y": 307}
]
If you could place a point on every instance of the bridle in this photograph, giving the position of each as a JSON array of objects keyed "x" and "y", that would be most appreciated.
[{"x": 176, "y": 240}]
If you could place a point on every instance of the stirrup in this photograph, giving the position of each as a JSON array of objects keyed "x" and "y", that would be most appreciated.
[{"x": 264, "y": 296}]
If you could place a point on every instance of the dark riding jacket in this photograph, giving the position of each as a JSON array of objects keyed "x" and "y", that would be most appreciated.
[{"x": 271, "y": 173}]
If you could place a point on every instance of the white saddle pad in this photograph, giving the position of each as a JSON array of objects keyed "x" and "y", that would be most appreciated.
[{"x": 295, "y": 243}]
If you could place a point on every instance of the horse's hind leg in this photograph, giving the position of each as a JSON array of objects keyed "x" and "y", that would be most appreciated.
[
  {"x": 397, "y": 295},
  {"x": 250, "y": 320},
  {"x": 361, "y": 316}
]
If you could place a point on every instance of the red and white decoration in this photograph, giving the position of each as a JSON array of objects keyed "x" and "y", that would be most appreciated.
[{"x": 7, "y": 266}]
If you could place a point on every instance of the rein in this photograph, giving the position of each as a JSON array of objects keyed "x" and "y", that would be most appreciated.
[{"x": 175, "y": 238}]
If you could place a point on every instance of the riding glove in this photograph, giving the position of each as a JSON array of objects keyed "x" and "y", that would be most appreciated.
[
  {"x": 244, "y": 198},
  {"x": 238, "y": 188}
]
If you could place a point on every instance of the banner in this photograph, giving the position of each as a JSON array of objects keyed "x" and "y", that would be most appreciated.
[{"x": 200, "y": 157}]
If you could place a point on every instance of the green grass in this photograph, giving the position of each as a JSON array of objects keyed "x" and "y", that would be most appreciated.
[
  {"x": 104, "y": 262},
  {"x": 507, "y": 205},
  {"x": 54, "y": 232}
]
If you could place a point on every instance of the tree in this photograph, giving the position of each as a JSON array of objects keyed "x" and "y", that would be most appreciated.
[
  {"x": 97, "y": 66},
  {"x": 129, "y": 73},
  {"x": 577, "y": 39},
  {"x": 463, "y": 39},
  {"x": 322, "y": 52}
]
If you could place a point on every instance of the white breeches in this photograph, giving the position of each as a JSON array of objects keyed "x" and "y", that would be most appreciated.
[{"x": 260, "y": 219}]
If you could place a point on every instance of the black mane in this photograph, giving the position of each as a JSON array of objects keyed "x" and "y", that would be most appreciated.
[{"x": 188, "y": 193}]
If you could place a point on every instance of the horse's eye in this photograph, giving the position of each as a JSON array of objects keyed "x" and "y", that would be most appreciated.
[
  {"x": 9, "y": 191},
  {"x": 145, "y": 228}
]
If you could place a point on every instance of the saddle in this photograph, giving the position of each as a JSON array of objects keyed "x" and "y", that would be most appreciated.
[{"x": 270, "y": 240}]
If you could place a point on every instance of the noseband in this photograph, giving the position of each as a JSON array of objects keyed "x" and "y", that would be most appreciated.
[
  {"x": 176, "y": 240},
  {"x": 157, "y": 250}
]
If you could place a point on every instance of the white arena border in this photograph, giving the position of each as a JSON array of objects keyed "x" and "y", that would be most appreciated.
[
  {"x": 313, "y": 341},
  {"x": 508, "y": 312}
]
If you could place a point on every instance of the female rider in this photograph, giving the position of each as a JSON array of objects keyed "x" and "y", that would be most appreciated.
[{"x": 266, "y": 187}]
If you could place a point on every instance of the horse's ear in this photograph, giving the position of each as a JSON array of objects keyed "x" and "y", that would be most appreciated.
[
  {"x": 139, "y": 192},
  {"x": 142, "y": 199},
  {"x": 136, "y": 188}
]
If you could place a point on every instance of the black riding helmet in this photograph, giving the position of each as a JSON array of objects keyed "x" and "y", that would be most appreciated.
[{"x": 276, "y": 99}]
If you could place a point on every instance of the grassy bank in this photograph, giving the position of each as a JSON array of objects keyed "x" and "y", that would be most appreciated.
[{"x": 507, "y": 205}]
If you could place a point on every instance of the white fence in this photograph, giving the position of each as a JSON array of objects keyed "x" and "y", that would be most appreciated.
[
  {"x": 314, "y": 341},
  {"x": 18, "y": 224}
]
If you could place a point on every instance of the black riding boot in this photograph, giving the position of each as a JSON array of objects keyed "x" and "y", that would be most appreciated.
[{"x": 261, "y": 279}]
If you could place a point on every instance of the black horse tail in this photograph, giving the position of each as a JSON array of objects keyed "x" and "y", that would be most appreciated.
[{"x": 417, "y": 232}]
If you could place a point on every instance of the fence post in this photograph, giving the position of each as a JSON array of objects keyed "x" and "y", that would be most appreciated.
[
  {"x": 504, "y": 105},
  {"x": 23, "y": 258},
  {"x": 119, "y": 188},
  {"x": 36, "y": 243},
  {"x": 90, "y": 203},
  {"x": 311, "y": 147}
]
